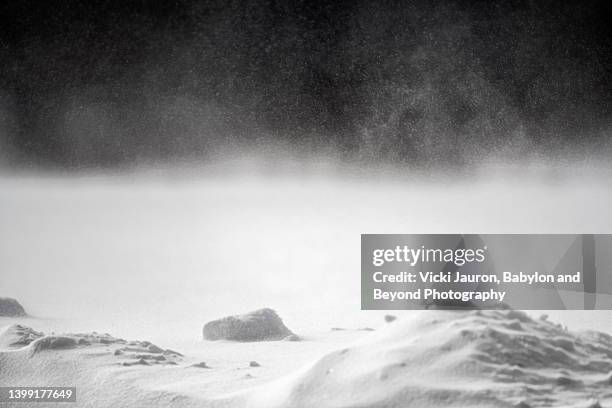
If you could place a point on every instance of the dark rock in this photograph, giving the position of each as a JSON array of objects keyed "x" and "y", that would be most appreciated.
[
  {"x": 201, "y": 365},
  {"x": 11, "y": 308},
  {"x": 390, "y": 318},
  {"x": 135, "y": 349},
  {"x": 292, "y": 337},
  {"x": 150, "y": 358},
  {"x": 54, "y": 343},
  {"x": 567, "y": 382},
  {"x": 155, "y": 357},
  {"x": 142, "y": 361},
  {"x": 154, "y": 349},
  {"x": 260, "y": 325},
  {"x": 139, "y": 362},
  {"x": 254, "y": 364},
  {"x": 172, "y": 352}
]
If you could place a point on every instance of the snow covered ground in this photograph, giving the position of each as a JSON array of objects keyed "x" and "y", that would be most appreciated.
[{"x": 153, "y": 257}]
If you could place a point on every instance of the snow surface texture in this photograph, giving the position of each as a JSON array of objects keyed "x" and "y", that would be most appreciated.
[
  {"x": 426, "y": 359},
  {"x": 458, "y": 359}
]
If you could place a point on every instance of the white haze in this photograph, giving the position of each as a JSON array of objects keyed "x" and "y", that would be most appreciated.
[{"x": 154, "y": 257}]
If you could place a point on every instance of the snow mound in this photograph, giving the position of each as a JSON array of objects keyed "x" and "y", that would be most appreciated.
[
  {"x": 500, "y": 358},
  {"x": 107, "y": 371},
  {"x": 129, "y": 352},
  {"x": 16, "y": 336},
  {"x": 260, "y": 325}
]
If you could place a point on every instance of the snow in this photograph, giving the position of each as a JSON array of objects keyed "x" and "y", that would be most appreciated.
[{"x": 153, "y": 258}]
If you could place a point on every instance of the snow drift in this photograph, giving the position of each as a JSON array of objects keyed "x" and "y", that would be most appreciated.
[
  {"x": 432, "y": 358},
  {"x": 456, "y": 359}
]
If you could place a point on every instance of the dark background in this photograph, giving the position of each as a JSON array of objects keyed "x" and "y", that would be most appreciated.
[{"x": 116, "y": 83}]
